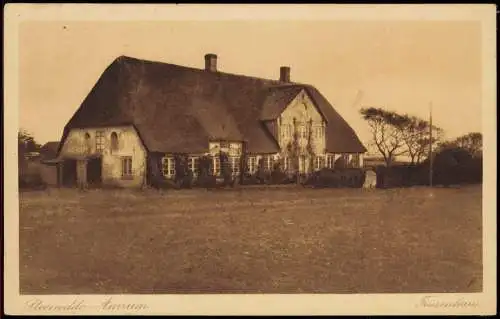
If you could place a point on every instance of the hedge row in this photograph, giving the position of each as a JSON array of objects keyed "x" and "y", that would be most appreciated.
[
  {"x": 451, "y": 167},
  {"x": 346, "y": 177},
  {"x": 31, "y": 181}
]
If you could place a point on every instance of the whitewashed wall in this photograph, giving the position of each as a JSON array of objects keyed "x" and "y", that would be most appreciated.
[
  {"x": 129, "y": 144},
  {"x": 302, "y": 109}
]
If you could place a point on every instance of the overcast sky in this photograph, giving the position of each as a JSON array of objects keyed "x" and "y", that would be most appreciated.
[{"x": 399, "y": 65}]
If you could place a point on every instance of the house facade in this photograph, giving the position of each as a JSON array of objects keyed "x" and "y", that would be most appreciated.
[{"x": 140, "y": 114}]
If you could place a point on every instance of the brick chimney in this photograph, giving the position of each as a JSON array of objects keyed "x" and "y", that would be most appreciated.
[
  {"x": 211, "y": 62},
  {"x": 285, "y": 74}
]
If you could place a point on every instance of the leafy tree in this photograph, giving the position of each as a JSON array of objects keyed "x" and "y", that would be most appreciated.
[
  {"x": 25, "y": 144},
  {"x": 387, "y": 129},
  {"x": 472, "y": 142}
]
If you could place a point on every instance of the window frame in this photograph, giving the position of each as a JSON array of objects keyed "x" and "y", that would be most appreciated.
[
  {"x": 355, "y": 160},
  {"x": 318, "y": 163},
  {"x": 88, "y": 142},
  {"x": 168, "y": 166},
  {"x": 252, "y": 164},
  {"x": 114, "y": 142},
  {"x": 100, "y": 141},
  {"x": 194, "y": 164},
  {"x": 286, "y": 130},
  {"x": 235, "y": 165},
  {"x": 268, "y": 166},
  {"x": 215, "y": 170},
  {"x": 127, "y": 167},
  {"x": 330, "y": 161},
  {"x": 303, "y": 131},
  {"x": 287, "y": 164},
  {"x": 319, "y": 131}
]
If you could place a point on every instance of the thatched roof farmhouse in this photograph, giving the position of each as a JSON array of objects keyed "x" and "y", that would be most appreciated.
[{"x": 139, "y": 111}]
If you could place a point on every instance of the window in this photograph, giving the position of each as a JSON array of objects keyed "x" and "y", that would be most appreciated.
[
  {"x": 88, "y": 145},
  {"x": 235, "y": 165},
  {"x": 287, "y": 163},
  {"x": 319, "y": 131},
  {"x": 302, "y": 164},
  {"x": 114, "y": 141},
  {"x": 194, "y": 165},
  {"x": 301, "y": 131},
  {"x": 234, "y": 149},
  {"x": 268, "y": 162},
  {"x": 168, "y": 167},
  {"x": 252, "y": 164},
  {"x": 286, "y": 130},
  {"x": 126, "y": 166},
  {"x": 319, "y": 162},
  {"x": 215, "y": 170},
  {"x": 345, "y": 157},
  {"x": 224, "y": 145},
  {"x": 355, "y": 160},
  {"x": 330, "y": 159},
  {"x": 99, "y": 141},
  {"x": 342, "y": 161}
]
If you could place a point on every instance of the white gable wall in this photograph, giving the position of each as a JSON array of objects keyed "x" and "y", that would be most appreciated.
[
  {"x": 129, "y": 145},
  {"x": 302, "y": 109}
]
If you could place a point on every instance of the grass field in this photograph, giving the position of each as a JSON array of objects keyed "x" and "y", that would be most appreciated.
[{"x": 263, "y": 240}]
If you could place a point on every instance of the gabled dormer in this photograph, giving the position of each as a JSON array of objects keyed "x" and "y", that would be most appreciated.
[{"x": 289, "y": 110}]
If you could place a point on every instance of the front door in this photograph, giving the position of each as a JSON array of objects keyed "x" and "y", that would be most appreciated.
[{"x": 94, "y": 172}]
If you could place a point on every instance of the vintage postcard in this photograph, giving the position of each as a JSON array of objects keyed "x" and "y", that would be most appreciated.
[{"x": 250, "y": 159}]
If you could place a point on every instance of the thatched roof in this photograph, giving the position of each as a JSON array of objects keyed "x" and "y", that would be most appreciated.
[
  {"x": 49, "y": 150},
  {"x": 179, "y": 109}
]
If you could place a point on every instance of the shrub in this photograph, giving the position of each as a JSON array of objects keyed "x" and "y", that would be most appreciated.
[
  {"x": 347, "y": 177},
  {"x": 182, "y": 171},
  {"x": 160, "y": 182},
  {"x": 277, "y": 177},
  {"x": 401, "y": 176},
  {"x": 31, "y": 181},
  {"x": 226, "y": 170},
  {"x": 187, "y": 181},
  {"x": 456, "y": 166},
  {"x": 250, "y": 179},
  {"x": 206, "y": 181},
  {"x": 262, "y": 175}
]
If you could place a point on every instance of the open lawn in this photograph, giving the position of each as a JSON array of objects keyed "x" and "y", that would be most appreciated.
[{"x": 257, "y": 240}]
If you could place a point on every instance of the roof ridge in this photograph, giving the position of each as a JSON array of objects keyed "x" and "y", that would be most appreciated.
[
  {"x": 177, "y": 108},
  {"x": 278, "y": 83}
]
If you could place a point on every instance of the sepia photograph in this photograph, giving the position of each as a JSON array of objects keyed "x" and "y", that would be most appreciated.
[{"x": 218, "y": 157}]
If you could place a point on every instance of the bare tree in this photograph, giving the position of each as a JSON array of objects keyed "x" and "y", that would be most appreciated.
[
  {"x": 387, "y": 129},
  {"x": 416, "y": 136},
  {"x": 473, "y": 142}
]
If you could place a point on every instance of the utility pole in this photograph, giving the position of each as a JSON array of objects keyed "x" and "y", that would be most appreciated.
[{"x": 430, "y": 145}]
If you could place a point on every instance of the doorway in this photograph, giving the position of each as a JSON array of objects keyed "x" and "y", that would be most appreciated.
[
  {"x": 94, "y": 172},
  {"x": 69, "y": 173}
]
